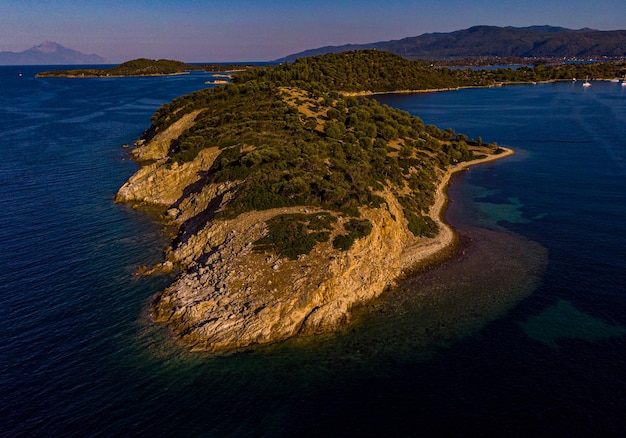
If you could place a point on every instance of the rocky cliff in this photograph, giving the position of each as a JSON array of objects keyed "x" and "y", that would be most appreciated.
[{"x": 230, "y": 296}]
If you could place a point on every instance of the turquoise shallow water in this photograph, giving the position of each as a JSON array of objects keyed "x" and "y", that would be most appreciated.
[{"x": 522, "y": 332}]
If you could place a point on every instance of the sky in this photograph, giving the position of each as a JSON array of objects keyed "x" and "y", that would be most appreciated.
[{"x": 264, "y": 30}]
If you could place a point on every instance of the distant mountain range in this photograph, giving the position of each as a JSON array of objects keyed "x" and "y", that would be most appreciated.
[
  {"x": 494, "y": 41},
  {"x": 49, "y": 53}
]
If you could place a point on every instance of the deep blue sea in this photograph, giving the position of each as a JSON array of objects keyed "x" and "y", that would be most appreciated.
[{"x": 521, "y": 333}]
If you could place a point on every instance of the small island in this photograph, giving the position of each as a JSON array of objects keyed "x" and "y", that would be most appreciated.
[
  {"x": 141, "y": 67},
  {"x": 292, "y": 200}
]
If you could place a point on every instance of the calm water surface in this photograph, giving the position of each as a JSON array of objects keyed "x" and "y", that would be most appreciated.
[{"x": 522, "y": 332}]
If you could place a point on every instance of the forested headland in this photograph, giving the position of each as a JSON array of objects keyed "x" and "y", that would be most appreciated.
[
  {"x": 379, "y": 71},
  {"x": 291, "y": 137}
]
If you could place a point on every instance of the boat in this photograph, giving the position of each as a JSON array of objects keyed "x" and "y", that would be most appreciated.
[
  {"x": 587, "y": 83},
  {"x": 615, "y": 80},
  {"x": 624, "y": 81}
]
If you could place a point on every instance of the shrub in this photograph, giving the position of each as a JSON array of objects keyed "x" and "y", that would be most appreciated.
[
  {"x": 421, "y": 226},
  {"x": 356, "y": 229},
  {"x": 291, "y": 235}
]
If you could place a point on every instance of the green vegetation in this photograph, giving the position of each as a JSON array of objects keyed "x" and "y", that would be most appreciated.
[
  {"x": 282, "y": 161},
  {"x": 136, "y": 67},
  {"x": 220, "y": 68},
  {"x": 369, "y": 70},
  {"x": 378, "y": 71},
  {"x": 291, "y": 235},
  {"x": 421, "y": 226},
  {"x": 356, "y": 229},
  {"x": 144, "y": 67},
  {"x": 289, "y": 139}
]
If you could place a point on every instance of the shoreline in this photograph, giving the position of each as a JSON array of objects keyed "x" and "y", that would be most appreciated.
[
  {"x": 237, "y": 299},
  {"x": 231, "y": 297},
  {"x": 83, "y": 76},
  {"x": 418, "y": 256},
  {"x": 427, "y": 90},
  {"x": 464, "y": 87}
]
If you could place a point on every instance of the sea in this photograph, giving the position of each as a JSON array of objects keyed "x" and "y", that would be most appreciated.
[{"x": 521, "y": 332}]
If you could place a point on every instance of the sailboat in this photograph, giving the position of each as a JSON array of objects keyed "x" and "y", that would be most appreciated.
[{"x": 587, "y": 83}]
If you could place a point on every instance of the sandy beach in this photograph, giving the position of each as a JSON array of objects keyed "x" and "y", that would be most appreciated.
[
  {"x": 422, "y": 253},
  {"x": 428, "y": 90}
]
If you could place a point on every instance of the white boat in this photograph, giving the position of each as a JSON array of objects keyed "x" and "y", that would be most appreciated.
[
  {"x": 615, "y": 80},
  {"x": 587, "y": 83}
]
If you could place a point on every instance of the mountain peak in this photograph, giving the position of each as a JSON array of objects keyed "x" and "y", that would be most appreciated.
[
  {"x": 47, "y": 53},
  {"x": 47, "y": 47}
]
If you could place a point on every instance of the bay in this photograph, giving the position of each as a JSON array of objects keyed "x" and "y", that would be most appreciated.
[{"x": 520, "y": 333}]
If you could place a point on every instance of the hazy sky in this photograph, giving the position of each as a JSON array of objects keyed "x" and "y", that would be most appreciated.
[{"x": 263, "y": 30}]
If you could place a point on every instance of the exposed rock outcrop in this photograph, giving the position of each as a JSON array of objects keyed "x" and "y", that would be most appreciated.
[
  {"x": 230, "y": 296},
  {"x": 164, "y": 184},
  {"x": 233, "y": 296},
  {"x": 158, "y": 181},
  {"x": 157, "y": 148}
]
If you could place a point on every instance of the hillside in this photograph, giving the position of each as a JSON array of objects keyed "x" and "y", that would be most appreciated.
[
  {"x": 292, "y": 202},
  {"x": 496, "y": 42},
  {"x": 379, "y": 71},
  {"x": 49, "y": 53}
]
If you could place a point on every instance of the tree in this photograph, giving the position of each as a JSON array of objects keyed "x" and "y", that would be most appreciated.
[
  {"x": 333, "y": 114},
  {"x": 334, "y": 130}
]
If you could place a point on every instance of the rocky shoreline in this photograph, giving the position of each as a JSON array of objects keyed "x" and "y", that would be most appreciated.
[{"x": 229, "y": 296}]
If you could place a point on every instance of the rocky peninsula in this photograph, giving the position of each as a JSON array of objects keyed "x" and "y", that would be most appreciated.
[{"x": 292, "y": 204}]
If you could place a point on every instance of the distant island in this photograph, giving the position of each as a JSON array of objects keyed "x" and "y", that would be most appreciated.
[
  {"x": 496, "y": 43},
  {"x": 136, "y": 67},
  {"x": 143, "y": 67},
  {"x": 49, "y": 53}
]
